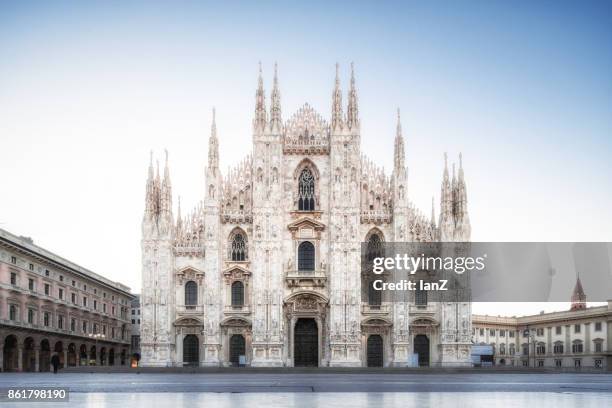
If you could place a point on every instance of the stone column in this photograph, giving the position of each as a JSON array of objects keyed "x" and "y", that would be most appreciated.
[
  {"x": 179, "y": 347},
  {"x": 37, "y": 358},
  {"x": 19, "y": 357},
  {"x": 587, "y": 337}
]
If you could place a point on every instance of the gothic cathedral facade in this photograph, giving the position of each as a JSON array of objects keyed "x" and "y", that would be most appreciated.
[{"x": 265, "y": 271}]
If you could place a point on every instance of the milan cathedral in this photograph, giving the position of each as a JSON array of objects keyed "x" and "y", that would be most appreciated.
[{"x": 265, "y": 271}]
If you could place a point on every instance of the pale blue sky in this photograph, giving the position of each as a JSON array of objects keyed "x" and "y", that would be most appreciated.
[{"x": 523, "y": 89}]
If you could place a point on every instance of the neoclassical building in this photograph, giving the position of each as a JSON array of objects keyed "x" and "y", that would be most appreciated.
[
  {"x": 49, "y": 305},
  {"x": 265, "y": 271},
  {"x": 578, "y": 338}
]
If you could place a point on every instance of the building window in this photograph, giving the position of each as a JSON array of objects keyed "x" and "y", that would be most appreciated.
[
  {"x": 95, "y": 291},
  {"x": 73, "y": 283},
  {"x": 60, "y": 293},
  {"x": 420, "y": 297},
  {"x": 374, "y": 248},
  {"x": 31, "y": 284},
  {"x": 577, "y": 346},
  {"x": 374, "y": 296},
  {"x": 540, "y": 332},
  {"x": 73, "y": 298},
  {"x": 85, "y": 288},
  {"x": 61, "y": 278},
  {"x": 558, "y": 330},
  {"x": 492, "y": 332},
  {"x": 510, "y": 333},
  {"x": 60, "y": 322},
  {"x": 191, "y": 294},
  {"x": 113, "y": 310},
  {"x": 30, "y": 316},
  {"x": 540, "y": 363},
  {"x": 558, "y": 362},
  {"x": 95, "y": 304},
  {"x": 47, "y": 273},
  {"x": 577, "y": 363},
  {"x": 576, "y": 328},
  {"x": 84, "y": 327},
  {"x": 482, "y": 332},
  {"x": 598, "y": 346},
  {"x": 13, "y": 312},
  {"x": 95, "y": 328},
  {"x": 84, "y": 301},
  {"x": 72, "y": 325},
  {"x": 133, "y": 312},
  {"x": 306, "y": 256},
  {"x": 525, "y": 349},
  {"x": 502, "y": 349},
  {"x": 46, "y": 319},
  {"x": 502, "y": 333},
  {"x": 558, "y": 348},
  {"x": 31, "y": 266},
  {"x": 104, "y": 307},
  {"x": 112, "y": 332},
  {"x": 238, "y": 248},
  {"x": 512, "y": 350},
  {"x": 13, "y": 260},
  {"x": 540, "y": 349},
  {"x": 598, "y": 363},
  {"x": 47, "y": 289},
  {"x": 133, "y": 321},
  {"x": 306, "y": 191},
  {"x": 13, "y": 278},
  {"x": 237, "y": 294},
  {"x": 597, "y": 326}
]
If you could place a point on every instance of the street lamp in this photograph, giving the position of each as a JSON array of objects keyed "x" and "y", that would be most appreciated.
[{"x": 96, "y": 336}]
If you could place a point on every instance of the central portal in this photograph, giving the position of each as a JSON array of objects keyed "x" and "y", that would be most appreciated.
[
  {"x": 421, "y": 347},
  {"x": 306, "y": 343}
]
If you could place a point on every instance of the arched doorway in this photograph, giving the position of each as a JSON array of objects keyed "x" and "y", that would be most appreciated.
[
  {"x": 93, "y": 356},
  {"x": 111, "y": 357},
  {"x": 191, "y": 352},
  {"x": 72, "y": 357},
  {"x": 10, "y": 354},
  {"x": 59, "y": 350},
  {"x": 421, "y": 347},
  {"x": 375, "y": 350},
  {"x": 123, "y": 356},
  {"x": 29, "y": 357},
  {"x": 306, "y": 343},
  {"x": 237, "y": 348},
  {"x": 103, "y": 356},
  {"x": 44, "y": 359},
  {"x": 83, "y": 355}
]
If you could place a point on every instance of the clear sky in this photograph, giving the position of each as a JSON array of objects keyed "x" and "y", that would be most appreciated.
[{"x": 523, "y": 89}]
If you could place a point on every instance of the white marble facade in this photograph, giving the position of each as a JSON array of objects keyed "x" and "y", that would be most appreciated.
[{"x": 267, "y": 266}]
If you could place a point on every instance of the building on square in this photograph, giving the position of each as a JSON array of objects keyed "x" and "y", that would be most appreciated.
[
  {"x": 578, "y": 338},
  {"x": 265, "y": 271},
  {"x": 51, "y": 305}
]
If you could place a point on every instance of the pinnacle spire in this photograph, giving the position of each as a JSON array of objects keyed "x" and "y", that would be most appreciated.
[
  {"x": 400, "y": 155},
  {"x": 433, "y": 212},
  {"x": 275, "y": 108},
  {"x": 337, "y": 121},
  {"x": 213, "y": 143},
  {"x": 352, "y": 112},
  {"x": 260, "y": 103}
]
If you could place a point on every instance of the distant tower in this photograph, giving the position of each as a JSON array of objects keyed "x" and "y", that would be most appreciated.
[{"x": 578, "y": 297}]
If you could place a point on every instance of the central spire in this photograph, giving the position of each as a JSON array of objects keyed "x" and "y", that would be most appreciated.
[
  {"x": 213, "y": 144},
  {"x": 399, "y": 156}
]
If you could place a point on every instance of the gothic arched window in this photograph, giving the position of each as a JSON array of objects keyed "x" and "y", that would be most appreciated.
[
  {"x": 420, "y": 297},
  {"x": 306, "y": 191},
  {"x": 237, "y": 293},
  {"x": 374, "y": 296},
  {"x": 238, "y": 250},
  {"x": 374, "y": 249},
  {"x": 306, "y": 256},
  {"x": 191, "y": 293}
]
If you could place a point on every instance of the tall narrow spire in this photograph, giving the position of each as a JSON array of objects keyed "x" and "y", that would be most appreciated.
[
  {"x": 433, "y": 212},
  {"x": 352, "y": 112},
  {"x": 399, "y": 153},
  {"x": 260, "y": 103},
  {"x": 337, "y": 122},
  {"x": 166, "y": 189},
  {"x": 213, "y": 144},
  {"x": 275, "y": 106},
  {"x": 578, "y": 296}
]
